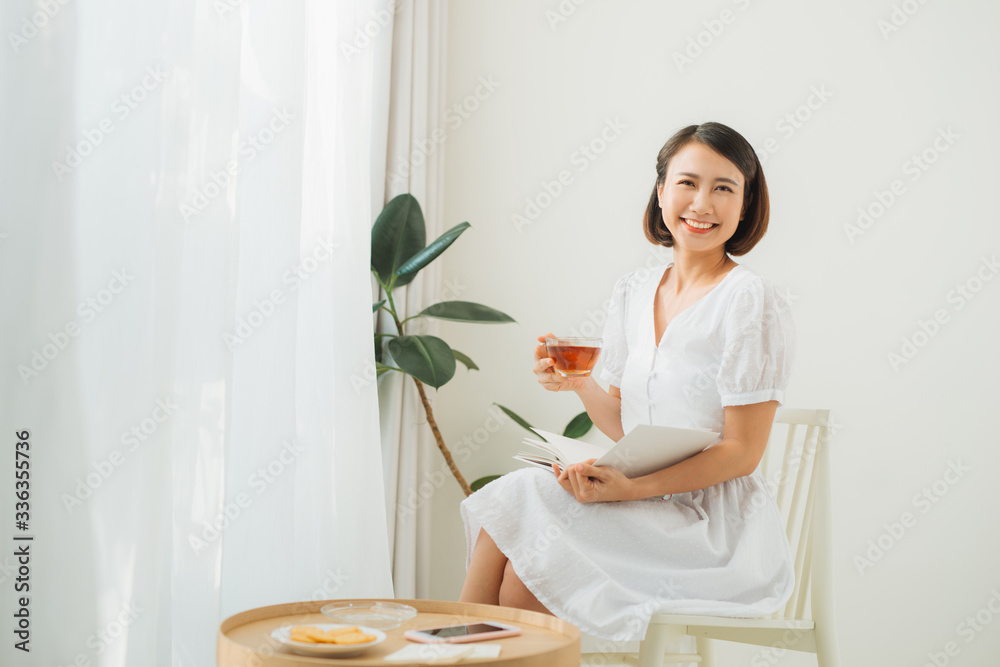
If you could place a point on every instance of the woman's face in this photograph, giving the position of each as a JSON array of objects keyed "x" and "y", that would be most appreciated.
[{"x": 701, "y": 188}]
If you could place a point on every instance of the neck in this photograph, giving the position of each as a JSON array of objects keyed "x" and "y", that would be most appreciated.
[{"x": 693, "y": 270}]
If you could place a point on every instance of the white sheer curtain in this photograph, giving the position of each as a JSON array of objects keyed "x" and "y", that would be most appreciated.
[
  {"x": 415, "y": 164},
  {"x": 189, "y": 188}
]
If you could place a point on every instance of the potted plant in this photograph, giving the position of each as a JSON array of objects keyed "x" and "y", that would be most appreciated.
[{"x": 399, "y": 252}]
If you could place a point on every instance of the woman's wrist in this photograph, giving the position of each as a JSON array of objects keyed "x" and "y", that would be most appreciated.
[
  {"x": 586, "y": 386},
  {"x": 636, "y": 489}
]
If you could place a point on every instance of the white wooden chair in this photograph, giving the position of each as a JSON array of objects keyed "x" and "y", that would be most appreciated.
[{"x": 798, "y": 468}]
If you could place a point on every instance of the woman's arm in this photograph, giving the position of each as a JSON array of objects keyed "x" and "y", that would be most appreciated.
[
  {"x": 747, "y": 428},
  {"x": 603, "y": 407}
]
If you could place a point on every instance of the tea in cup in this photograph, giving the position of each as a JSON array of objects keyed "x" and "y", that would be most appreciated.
[{"x": 574, "y": 357}]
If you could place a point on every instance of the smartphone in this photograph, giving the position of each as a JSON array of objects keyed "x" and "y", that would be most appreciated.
[{"x": 459, "y": 634}]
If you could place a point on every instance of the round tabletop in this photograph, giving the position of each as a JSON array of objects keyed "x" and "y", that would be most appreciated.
[{"x": 545, "y": 641}]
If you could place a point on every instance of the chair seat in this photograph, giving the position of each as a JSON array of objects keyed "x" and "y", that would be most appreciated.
[{"x": 795, "y": 634}]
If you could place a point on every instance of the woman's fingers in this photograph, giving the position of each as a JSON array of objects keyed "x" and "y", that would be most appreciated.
[
  {"x": 586, "y": 470},
  {"x": 542, "y": 365},
  {"x": 574, "y": 482},
  {"x": 547, "y": 375},
  {"x": 562, "y": 478},
  {"x": 540, "y": 350}
]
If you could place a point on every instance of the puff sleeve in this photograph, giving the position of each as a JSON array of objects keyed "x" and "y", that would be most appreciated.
[
  {"x": 615, "y": 350},
  {"x": 759, "y": 347}
]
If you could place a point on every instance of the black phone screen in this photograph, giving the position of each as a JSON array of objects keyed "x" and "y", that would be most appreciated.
[{"x": 462, "y": 630}]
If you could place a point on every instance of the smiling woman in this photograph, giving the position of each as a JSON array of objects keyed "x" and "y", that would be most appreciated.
[{"x": 701, "y": 536}]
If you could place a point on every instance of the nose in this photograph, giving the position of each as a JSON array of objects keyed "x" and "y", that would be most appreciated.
[{"x": 702, "y": 201}]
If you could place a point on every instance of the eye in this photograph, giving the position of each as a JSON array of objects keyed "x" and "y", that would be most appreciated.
[
  {"x": 726, "y": 187},
  {"x": 683, "y": 182}
]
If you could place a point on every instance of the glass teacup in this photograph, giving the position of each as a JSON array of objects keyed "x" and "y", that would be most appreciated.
[{"x": 574, "y": 357}]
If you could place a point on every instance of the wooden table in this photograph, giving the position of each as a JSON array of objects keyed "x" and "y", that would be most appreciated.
[{"x": 245, "y": 639}]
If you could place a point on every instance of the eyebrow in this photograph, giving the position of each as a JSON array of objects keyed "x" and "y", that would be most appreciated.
[{"x": 688, "y": 173}]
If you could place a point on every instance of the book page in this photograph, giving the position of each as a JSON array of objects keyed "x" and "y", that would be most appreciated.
[{"x": 568, "y": 449}]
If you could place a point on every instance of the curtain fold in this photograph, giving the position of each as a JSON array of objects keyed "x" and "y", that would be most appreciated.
[
  {"x": 192, "y": 195},
  {"x": 414, "y": 164}
]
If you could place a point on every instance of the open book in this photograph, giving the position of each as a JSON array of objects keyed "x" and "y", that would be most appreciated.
[{"x": 643, "y": 450}]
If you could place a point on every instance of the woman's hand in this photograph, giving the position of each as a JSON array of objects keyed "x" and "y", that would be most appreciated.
[
  {"x": 548, "y": 377},
  {"x": 592, "y": 484}
]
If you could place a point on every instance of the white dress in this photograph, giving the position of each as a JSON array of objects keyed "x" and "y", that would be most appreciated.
[{"x": 607, "y": 567}]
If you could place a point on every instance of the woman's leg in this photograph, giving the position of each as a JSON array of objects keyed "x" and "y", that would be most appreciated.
[
  {"x": 491, "y": 579},
  {"x": 513, "y": 593},
  {"x": 486, "y": 571}
]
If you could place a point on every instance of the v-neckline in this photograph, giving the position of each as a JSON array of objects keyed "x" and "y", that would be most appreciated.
[{"x": 656, "y": 287}]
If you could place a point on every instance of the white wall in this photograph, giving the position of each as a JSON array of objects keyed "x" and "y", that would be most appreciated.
[{"x": 855, "y": 299}]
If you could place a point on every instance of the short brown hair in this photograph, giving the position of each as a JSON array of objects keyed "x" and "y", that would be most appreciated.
[{"x": 731, "y": 145}]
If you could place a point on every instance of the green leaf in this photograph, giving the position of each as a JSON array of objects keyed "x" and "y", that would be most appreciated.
[
  {"x": 578, "y": 426},
  {"x": 469, "y": 363},
  {"x": 376, "y": 306},
  {"x": 483, "y": 481},
  {"x": 398, "y": 234},
  {"x": 465, "y": 311},
  {"x": 427, "y": 358},
  {"x": 430, "y": 253},
  {"x": 520, "y": 421},
  {"x": 381, "y": 368}
]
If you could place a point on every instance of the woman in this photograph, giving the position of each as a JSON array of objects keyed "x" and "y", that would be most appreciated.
[{"x": 706, "y": 343}]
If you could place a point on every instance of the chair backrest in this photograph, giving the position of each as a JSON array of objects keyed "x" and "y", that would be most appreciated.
[{"x": 796, "y": 471}]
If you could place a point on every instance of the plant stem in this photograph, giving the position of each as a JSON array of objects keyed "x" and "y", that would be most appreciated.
[
  {"x": 440, "y": 440},
  {"x": 423, "y": 396}
]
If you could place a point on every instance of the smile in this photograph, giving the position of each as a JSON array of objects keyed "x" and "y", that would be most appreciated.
[{"x": 696, "y": 226}]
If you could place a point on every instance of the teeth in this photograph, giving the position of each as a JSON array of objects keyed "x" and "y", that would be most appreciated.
[{"x": 699, "y": 225}]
